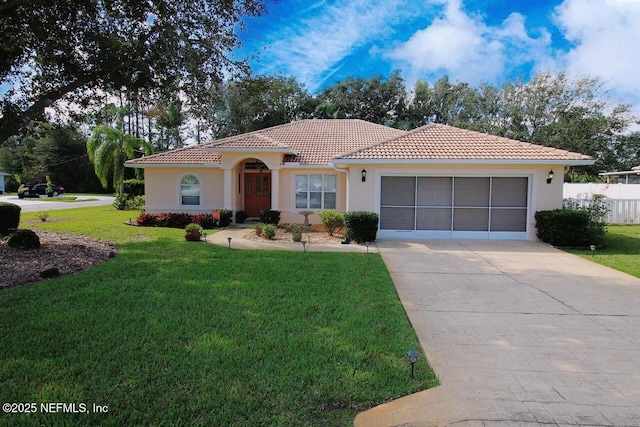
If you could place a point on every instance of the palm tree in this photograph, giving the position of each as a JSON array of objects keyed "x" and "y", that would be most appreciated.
[{"x": 108, "y": 149}]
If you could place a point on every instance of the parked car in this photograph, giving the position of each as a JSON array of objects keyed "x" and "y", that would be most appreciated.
[{"x": 41, "y": 189}]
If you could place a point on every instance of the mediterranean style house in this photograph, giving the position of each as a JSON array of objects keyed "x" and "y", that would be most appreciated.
[{"x": 435, "y": 181}]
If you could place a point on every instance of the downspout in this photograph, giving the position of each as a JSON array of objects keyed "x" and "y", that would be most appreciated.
[{"x": 346, "y": 172}]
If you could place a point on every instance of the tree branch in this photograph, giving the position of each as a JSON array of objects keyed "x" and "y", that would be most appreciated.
[
  {"x": 11, "y": 4},
  {"x": 12, "y": 122}
]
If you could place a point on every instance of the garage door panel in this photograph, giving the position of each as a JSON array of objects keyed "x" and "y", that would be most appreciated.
[
  {"x": 509, "y": 192},
  {"x": 398, "y": 191},
  {"x": 509, "y": 220},
  {"x": 397, "y": 218},
  {"x": 471, "y": 192},
  {"x": 435, "y": 191},
  {"x": 468, "y": 219},
  {"x": 433, "y": 219}
]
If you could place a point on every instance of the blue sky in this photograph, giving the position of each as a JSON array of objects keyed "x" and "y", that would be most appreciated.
[{"x": 491, "y": 41}]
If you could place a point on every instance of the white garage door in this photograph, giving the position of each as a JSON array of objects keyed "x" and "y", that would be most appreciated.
[{"x": 454, "y": 207}]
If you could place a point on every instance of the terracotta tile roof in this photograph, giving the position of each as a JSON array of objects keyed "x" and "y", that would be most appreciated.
[
  {"x": 442, "y": 142},
  {"x": 317, "y": 142},
  {"x": 252, "y": 140},
  {"x": 191, "y": 155}
]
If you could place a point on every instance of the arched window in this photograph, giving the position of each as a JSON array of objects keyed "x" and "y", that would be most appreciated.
[{"x": 190, "y": 190}]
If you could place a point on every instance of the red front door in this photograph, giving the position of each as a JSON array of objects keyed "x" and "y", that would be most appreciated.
[{"x": 257, "y": 193}]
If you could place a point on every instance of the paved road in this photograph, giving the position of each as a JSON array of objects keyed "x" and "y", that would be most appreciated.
[
  {"x": 34, "y": 205},
  {"x": 519, "y": 334}
]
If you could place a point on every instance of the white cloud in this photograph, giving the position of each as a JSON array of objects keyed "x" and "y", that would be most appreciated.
[
  {"x": 313, "y": 48},
  {"x": 606, "y": 42},
  {"x": 467, "y": 49}
]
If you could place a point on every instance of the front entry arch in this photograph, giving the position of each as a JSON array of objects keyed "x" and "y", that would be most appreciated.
[{"x": 257, "y": 193}]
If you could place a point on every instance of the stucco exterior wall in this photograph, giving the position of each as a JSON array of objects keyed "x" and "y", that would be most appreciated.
[
  {"x": 162, "y": 189},
  {"x": 365, "y": 196}
]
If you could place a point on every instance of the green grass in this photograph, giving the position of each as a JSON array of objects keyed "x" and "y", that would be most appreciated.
[
  {"x": 178, "y": 333},
  {"x": 621, "y": 249}
]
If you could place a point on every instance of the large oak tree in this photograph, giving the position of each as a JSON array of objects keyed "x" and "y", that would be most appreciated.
[{"x": 52, "y": 49}]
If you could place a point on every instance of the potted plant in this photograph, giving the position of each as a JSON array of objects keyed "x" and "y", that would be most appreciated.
[
  {"x": 240, "y": 217},
  {"x": 21, "y": 191},
  {"x": 193, "y": 232},
  {"x": 258, "y": 228},
  {"x": 296, "y": 232}
]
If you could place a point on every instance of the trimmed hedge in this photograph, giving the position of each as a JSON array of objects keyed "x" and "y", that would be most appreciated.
[
  {"x": 9, "y": 217},
  {"x": 564, "y": 227},
  {"x": 181, "y": 220},
  {"x": 362, "y": 226}
]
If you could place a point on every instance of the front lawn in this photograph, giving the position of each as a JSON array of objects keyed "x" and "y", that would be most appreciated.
[
  {"x": 174, "y": 333},
  {"x": 621, "y": 249}
]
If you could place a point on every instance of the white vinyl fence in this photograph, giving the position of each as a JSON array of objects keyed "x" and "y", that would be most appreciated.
[{"x": 621, "y": 211}]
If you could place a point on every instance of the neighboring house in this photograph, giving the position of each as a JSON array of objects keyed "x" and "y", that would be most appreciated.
[
  {"x": 623, "y": 177},
  {"x": 2, "y": 175},
  {"x": 436, "y": 181}
]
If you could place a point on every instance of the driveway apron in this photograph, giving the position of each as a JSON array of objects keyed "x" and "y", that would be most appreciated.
[{"x": 519, "y": 333}]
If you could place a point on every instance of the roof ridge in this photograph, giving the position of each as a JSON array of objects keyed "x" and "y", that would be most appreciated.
[{"x": 375, "y": 144}]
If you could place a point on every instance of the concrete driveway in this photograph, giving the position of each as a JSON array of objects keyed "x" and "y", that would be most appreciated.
[{"x": 519, "y": 334}]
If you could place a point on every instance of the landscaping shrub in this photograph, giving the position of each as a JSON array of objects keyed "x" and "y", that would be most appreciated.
[
  {"x": 9, "y": 217},
  {"x": 120, "y": 202},
  {"x": 332, "y": 220},
  {"x": 24, "y": 239},
  {"x": 362, "y": 226},
  {"x": 226, "y": 215},
  {"x": 597, "y": 209},
  {"x": 128, "y": 202},
  {"x": 564, "y": 227},
  {"x": 204, "y": 220},
  {"x": 270, "y": 217},
  {"x": 180, "y": 220},
  {"x": 147, "y": 219},
  {"x": 134, "y": 187},
  {"x": 268, "y": 231}
]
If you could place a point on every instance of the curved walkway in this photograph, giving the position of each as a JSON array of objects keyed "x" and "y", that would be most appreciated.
[{"x": 519, "y": 334}]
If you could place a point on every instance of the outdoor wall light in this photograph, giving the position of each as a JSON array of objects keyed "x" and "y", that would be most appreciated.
[
  {"x": 413, "y": 357},
  {"x": 364, "y": 175},
  {"x": 550, "y": 176},
  {"x": 229, "y": 240}
]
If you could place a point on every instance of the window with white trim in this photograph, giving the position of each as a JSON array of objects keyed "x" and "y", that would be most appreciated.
[
  {"x": 316, "y": 191},
  {"x": 190, "y": 191}
]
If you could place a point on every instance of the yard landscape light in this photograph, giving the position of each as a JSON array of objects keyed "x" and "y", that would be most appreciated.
[
  {"x": 367, "y": 245},
  {"x": 364, "y": 175},
  {"x": 550, "y": 176},
  {"x": 593, "y": 250},
  {"x": 205, "y": 237},
  {"x": 229, "y": 240},
  {"x": 413, "y": 356},
  {"x": 304, "y": 245}
]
